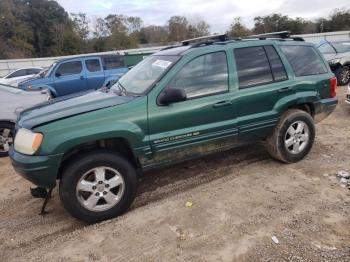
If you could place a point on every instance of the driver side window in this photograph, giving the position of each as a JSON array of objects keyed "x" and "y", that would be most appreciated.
[{"x": 204, "y": 75}]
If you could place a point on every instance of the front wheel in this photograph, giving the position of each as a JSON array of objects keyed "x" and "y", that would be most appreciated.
[
  {"x": 98, "y": 186},
  {"x": 293, "y": 137},
  {"x": 6, "y": 137}
]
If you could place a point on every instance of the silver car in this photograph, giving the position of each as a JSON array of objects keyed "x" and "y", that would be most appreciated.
[
  {"x": 12, "y": 102},
  {"x": 20, "y": 75}
]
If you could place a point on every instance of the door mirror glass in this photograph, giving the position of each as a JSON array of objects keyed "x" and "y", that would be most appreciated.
[{"x": 171, "y": 95}]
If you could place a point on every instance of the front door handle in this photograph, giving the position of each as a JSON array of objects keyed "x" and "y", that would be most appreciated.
[
  {"x": 222, "y": 103},
  {"x": 285, "y": 89},
  {"x": 81, "y": 77}
]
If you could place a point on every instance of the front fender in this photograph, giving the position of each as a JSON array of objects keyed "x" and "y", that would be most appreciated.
[
  {"x": 62, "y": 141},
  {"x": 127, "y": 121},
  {"x": 43, "y": 87}
]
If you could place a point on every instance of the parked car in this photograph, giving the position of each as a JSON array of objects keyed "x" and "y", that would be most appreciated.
[
  {"x": 12, "y": 102},
  {"x": 347, "y": 100},
  {"x": 19, "y": 75},
  {"x": 78, "y": 74},
  {"x": 175, "y": 105},
  {"x": 338, "y": 56}
]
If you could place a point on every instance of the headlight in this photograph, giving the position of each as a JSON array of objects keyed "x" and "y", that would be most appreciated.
[
  {"x": 334, "y": 61},
  {"x": 27, "y": 142}
]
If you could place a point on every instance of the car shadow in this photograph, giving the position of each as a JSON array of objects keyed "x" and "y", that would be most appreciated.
[{"x": 171, "y": 180}]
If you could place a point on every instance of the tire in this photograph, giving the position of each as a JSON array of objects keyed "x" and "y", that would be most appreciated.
[
  {"x": 279, "y": 143},
  {"x": 7, "y": 131},
  {"x": 343, "y": 75},
  {"x": 85, "y": 172}
]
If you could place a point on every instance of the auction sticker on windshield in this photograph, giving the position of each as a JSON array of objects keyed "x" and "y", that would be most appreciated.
[{"x": 161, "y": 63}]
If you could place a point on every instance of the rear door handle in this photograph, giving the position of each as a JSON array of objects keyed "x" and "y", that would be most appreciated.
[
  {"x": 222, "y": 103},
  {"x": 285, "y": 89}
]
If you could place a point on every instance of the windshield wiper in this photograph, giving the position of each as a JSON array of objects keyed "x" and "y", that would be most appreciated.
[
  {"x": 122, "y": 91},
  {"x": 122, "y": 88}
]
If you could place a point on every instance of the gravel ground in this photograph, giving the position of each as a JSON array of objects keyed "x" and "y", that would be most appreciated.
[{"x": 241, "y": 198}]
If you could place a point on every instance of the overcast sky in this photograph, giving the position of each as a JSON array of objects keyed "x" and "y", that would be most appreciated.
[{"x": 218, "y": 13}]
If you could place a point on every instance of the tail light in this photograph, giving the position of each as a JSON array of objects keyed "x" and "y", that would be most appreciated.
[{"x": 333, "y": 84}]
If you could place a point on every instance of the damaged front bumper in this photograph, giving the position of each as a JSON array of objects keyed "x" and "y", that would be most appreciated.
[{"x": 40, "y": 170}]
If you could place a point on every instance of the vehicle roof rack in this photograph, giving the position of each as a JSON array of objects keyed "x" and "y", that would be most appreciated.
[
  {"x": 275, "y": 35},
  {"x": 281, "y": 34},
  {"x": 205, "y": 40},
  {"x": 169, "y": 47},
  {"x": 224, "y": 39}
]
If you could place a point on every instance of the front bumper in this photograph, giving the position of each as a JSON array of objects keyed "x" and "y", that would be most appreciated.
[
  {"x": 324, "y": 108},
  {"x": 40, "y": 170}
]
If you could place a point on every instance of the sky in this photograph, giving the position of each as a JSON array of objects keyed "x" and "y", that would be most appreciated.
[{"x": 218, "y": 13}]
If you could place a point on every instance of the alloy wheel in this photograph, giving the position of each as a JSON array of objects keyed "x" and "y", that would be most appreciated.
[
  {"x": 297, "y": 137},
  {"x": 100, "y": 189}
]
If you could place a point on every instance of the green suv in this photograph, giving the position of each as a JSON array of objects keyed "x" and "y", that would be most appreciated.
[{"x": 178, "y": 104}]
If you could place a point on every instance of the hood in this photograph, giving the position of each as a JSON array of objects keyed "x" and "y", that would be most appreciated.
[
  {"x": 335, "y": 56},
  {"x": 33, "y": 81},
  {"x": 68, "y": 106}
]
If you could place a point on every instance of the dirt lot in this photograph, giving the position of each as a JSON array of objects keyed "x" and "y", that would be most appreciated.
[{"x": 241, "y": 198}]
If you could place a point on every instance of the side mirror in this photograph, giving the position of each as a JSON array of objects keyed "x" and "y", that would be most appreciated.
[
  {"x": 58, "y": 74},
  {"x": 171, "y": 95}
]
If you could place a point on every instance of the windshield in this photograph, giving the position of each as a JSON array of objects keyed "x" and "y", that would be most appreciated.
[
  {"x": 145, "y": 74},
  {"x": 49, "y": 70},
  {"x": 330, "y": 48},
  {"x": 326, "y": 48},
  {"x": 341, "y": 47}
]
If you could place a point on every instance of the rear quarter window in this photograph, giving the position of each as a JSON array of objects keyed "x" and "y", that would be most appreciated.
[{"x": 304, "y": 60}]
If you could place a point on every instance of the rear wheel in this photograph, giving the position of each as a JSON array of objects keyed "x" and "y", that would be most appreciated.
[
  {"x": 98, "y": 186},
  {"x": 343, "y": 75},
  {"x": 293, "y": 137},
  {"x": 6, "y": 137}
]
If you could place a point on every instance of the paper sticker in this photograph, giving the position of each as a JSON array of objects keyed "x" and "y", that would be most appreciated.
[{"x": 161, "y": 63}]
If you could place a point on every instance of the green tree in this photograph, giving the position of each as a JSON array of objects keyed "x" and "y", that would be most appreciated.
[
  {"x": 177, "y": 28},
  {"x": 338, "y": 20},
  {"x": 271, "y": 23},
  {"x": 238, "y": 29},
  {"x": 15, "y": 35},
  {"x": 153, "y": 35},
  {"x": 81, "y": 25}
]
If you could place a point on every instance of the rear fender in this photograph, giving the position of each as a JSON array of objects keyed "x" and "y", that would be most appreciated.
[{"x": 294, "y": 100}]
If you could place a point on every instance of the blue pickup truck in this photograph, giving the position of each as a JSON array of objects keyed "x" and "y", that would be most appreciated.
[{"x": 78, "y": 74}]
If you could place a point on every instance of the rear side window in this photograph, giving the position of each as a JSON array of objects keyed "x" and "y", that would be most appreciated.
[
  {"x": 304, "y": 60},
  {"x": 33, "y": 71},
  {"x": 252, "y": 66},
  {"x": 277, "y": 67},
  {"x": 70, "y": 68},
  {"x": 18, "y": 73},
  {"x": 113, "y": 62},
  {"x": 93, "y": 65}
]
